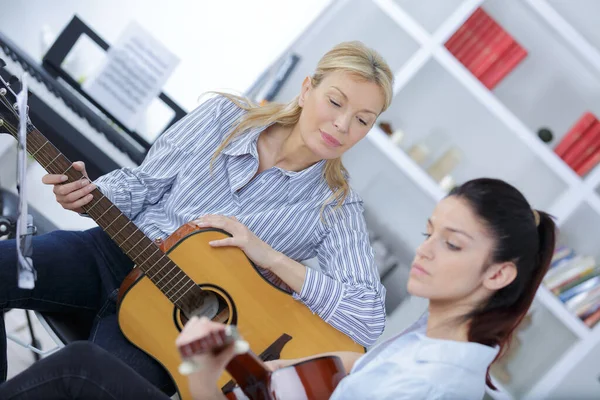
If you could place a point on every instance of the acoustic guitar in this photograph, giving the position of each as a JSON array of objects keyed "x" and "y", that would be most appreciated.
[
  {"x": 184, "y": 276},
  {"x": 314, "y": 379}
]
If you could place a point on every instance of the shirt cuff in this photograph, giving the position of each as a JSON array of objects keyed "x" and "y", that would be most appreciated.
[
  {"x": 119, "y": 199},
  {"x": 320, "y": 293}
]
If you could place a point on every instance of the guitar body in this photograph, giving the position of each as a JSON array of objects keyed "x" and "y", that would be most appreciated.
[
  {"x": 315, "y": 379},
  {"x": 263, "y": 313}
]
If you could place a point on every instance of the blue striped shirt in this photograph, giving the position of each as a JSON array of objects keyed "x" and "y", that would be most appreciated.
[{"x": 175, "y": 185}]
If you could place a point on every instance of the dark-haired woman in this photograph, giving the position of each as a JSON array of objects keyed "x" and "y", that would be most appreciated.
[{"x": 483, "y": 258}]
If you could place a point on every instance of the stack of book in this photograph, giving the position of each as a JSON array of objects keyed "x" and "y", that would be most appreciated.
[
  {"x": 580, "y": 146},
  {"x": 485, "y": 48},
  {"x": 575, "y": 279}
]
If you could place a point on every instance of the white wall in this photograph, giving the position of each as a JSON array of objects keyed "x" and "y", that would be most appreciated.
[{"x": 222, "y": 44}]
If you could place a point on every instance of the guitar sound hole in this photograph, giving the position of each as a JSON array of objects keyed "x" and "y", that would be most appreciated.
[{"x": 215, "y": 307}]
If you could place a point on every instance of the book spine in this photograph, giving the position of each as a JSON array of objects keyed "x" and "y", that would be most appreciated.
[
  {"x": 497, "y": 47},
  {"x": 584, "y": 146},
  {"x": 588, "y": 164},
  {"x": 484, "y": 35},
  {"x": 513, "y": 56},
  {"x": 471, "y": 34},
  {"x": 574, "y": 133}
]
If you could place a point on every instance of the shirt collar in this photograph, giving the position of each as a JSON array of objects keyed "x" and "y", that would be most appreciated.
[
  {"x": 245, "y": 143},
  {"x": 475, "y": 357}
]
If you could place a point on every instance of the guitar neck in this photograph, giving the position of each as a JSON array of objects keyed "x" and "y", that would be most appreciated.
[
  {"x": 250, "y": 373},
  {"x": 135, "y": 244},
  {"x": 248, "y": 370}
]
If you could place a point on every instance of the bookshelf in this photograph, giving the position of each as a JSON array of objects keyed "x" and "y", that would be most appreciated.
[{"x": 495, "y": 131}]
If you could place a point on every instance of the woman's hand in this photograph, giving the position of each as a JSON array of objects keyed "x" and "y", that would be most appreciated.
[
  {"x": 203, "y": 382},
  {"x": 74, "y": 195},
  {"x": 256, "y": 250}
]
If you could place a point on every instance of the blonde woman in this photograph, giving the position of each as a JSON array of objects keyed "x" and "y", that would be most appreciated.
[{"x": 270, "y": 175}]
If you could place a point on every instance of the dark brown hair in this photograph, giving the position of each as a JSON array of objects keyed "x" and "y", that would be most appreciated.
[{"x": 512, "y": 222}]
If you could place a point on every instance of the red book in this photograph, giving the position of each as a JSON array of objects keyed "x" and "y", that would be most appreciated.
[
  {"x": 584, "y": 147},
  {"x": 582, "y": 124},
  {"x": 481, "y": 22},
  {"x": 500, "y": 45},
  {"x": 588, "y": 164},
  {"x": 451, "y": 43},
  {"x": 457, "y": 40},
  {"x": 463, "y": 37},
  {"x": 506, "y": 63},
  {"x": 484, "y": 45}
]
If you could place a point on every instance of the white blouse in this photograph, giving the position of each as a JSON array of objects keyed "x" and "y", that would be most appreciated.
[{"x": 414, "y": 366}]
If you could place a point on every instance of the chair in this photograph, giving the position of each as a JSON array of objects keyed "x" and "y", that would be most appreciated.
[{"x": 63, "y": 328}]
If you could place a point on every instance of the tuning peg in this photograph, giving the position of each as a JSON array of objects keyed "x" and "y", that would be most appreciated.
[
  {"x": 2, "y": 63},
  {"x": 13, "y": 81}
]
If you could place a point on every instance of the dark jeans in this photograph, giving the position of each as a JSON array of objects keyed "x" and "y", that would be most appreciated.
[
  {"x": 80, "y": 371},
  {"x": 77, "y": 271}
]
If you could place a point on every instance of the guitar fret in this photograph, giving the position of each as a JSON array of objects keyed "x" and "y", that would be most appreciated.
[
  {"x": 173, "y": 277},
  {"x": 134, "y": 246},
  {"x": 113, "y": 221},
  {"x": 139, "y": 254},
  {"x": 184, "y": 293},
  {"x": 45, "y": 143},
  {"x": 147, "y": 258},
  {"x": 97, "y": 201},
  {"x": 167, "y": 274},
  {"x": 67, "y": 170},
  {"x": 160, "y": 259},
  {"x": 181, "y": 287},
  {"x": 124, "y": 226},
  {"x": 175, "y": 285},
  {"x": 107, "y": 210},
  {"x": 48, "y": 166},
  {"x": 134, "y": 232}
]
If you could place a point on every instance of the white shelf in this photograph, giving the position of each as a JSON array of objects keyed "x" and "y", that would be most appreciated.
[
  {"x": 411, "y": 68},
  {"x": 405, "y": 164},
  {"x": 434, "y": 101},
  {"x": 558, "y": 309},
  {"x": 560, "y": 87},
  {"x": 564, "y": 205},
  {"x": 546, "y": 385},
  {"x": 406, "y": 21},
  {"x": 575, "y": 39},
  {"x": 489, "y": 101},
  {"x": 592, "y": 180},
  {"x": 455, "y": 20},
  {"x": 346, "y": 22},
  {"x": 594, "y": 202}
]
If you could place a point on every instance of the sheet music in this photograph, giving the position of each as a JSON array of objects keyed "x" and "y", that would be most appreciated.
[{"x": 133, "y": 74}]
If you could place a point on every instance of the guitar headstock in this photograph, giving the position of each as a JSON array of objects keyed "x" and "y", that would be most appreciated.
[
  {"x": 214, "y": 343},
  {"x": 9, "y": 115},
  {"x": 9, "y": 86}
]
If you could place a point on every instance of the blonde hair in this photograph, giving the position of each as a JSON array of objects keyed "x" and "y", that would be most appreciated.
[{"x": 353, "y": 57}]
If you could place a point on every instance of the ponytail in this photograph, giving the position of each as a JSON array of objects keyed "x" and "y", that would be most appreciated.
[{"x": 524, "y": 236}]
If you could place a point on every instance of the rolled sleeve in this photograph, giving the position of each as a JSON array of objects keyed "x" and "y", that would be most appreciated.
[
  {"x": 347, "y": 292},
  {"x": 132, "y": 189}
]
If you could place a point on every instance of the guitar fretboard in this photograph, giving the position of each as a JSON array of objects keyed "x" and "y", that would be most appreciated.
[{"x": 157, "y": 266}]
